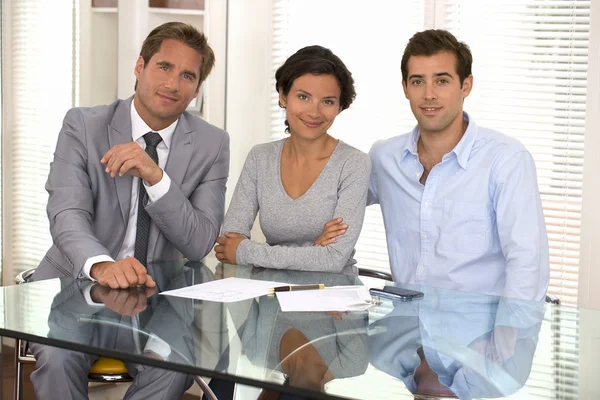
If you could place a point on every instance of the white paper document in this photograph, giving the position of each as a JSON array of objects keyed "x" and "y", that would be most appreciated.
[
  {"x": 335, "y": 298},
  {"x": 226, "y": 290}
]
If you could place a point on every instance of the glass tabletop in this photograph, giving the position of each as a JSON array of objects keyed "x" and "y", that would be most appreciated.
[{"x": 444, "y": 345}]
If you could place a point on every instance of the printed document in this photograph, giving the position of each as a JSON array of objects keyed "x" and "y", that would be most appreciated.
[
  {"x": 335, "y": 298},
  {"x": 226, "y": 290}
]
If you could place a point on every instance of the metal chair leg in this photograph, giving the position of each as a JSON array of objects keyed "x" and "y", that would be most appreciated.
[
  {"x": 205, "y": 388},
  {"x": 18, "y": 372}
]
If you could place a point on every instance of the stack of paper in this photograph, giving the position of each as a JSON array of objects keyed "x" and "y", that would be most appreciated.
[{"x": 335, "y": 298}]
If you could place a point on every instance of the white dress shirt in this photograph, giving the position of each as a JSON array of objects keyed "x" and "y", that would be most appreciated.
[{"x": 138, "y": 129}]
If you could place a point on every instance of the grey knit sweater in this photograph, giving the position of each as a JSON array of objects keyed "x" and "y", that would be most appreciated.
[{"x": 292, "y": 225}]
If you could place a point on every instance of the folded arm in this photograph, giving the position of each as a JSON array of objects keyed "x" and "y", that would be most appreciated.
[{"x": 352, "y": 197}]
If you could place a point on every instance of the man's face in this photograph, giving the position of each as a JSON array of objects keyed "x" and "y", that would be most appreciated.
[
  {"x": 167, "y": 84},
  {"x": 434, "y": 91}
]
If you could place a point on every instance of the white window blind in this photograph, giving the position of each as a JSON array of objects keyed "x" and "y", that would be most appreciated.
[
  {"x": 532, "y": 84},
  {"x": 42, "y": 66},
  {"x": 530, "y": 68},
  {"x": 40, "y": 58},
  {"x": 369, "y": 40}
]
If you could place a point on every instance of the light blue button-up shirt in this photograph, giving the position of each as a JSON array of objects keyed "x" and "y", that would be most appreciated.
[{"x": 476, "y": 225}]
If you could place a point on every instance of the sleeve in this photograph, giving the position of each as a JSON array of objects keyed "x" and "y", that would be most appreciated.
[
  {"x": 192, "y": 224},
  {"x": 71, "y": 204},
  {"x": 87, "y": 267},
  {"x": 244, "y": 203},
  {"x": 521, "y": 228},
  {"x": 159, "y": 189},
  {"x": 352, "y": 199}
]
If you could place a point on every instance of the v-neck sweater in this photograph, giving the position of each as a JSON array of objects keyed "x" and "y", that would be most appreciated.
[{"x": 291, "y": 225}]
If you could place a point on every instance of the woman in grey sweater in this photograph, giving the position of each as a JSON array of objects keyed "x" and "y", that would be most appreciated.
[{"x": 310, "y": 188}]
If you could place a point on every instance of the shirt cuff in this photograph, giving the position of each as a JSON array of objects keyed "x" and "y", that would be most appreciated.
[
  {"x": 87, "y": 267},
  {"x": 158, "y": 346},
  {"x": 161, "y": 188},
  {"x": 87, "y": 295}
]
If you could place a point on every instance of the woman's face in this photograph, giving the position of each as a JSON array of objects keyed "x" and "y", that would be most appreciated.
[{"x": 311, "y": 105}]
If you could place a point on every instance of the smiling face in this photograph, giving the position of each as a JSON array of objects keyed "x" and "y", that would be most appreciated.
[
  {"x": 311, "y": 105},
  {"x": 435, "y": 93},
  {"x": 167, "y": 84}
]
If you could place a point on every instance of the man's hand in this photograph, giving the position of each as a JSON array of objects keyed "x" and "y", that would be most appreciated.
[
  {"x": 227, "y": 246},
  {"x": 129, "y": 302},
  {"x": 130, "y": 158},
  {"x": 123, "y": 274},
  {"x": 331, "y": 230}
]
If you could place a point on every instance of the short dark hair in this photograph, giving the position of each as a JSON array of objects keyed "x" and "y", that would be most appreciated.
[
  {"x": 184, "y": 33},
  {"x": 316, "y": 60},
  {"x": 433, "y": 41}
]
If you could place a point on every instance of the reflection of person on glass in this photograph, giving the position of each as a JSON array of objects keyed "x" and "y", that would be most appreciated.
[
  {"x": 453, "y": 344},
  {"x": 137, "y": 322},
  {"x": 461, "y": 203},
  {"x": 310, "y": 348},
  {"x": 301, "y": 183}
]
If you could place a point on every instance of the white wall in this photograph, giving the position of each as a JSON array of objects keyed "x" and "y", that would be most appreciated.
[
  {"x": 248, "y": 74},
  {"x": 589, "y": 263},
  {"x": 98, "y": 56}
]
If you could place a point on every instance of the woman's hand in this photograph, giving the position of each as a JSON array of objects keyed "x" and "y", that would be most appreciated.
[
  {"x": 331, "y": 230},
  {"x": 227, "y": 246}
]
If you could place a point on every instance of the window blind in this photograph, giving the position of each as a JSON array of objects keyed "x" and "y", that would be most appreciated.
[
  {"x": 39, "y": 48},
  {"x": 42, "y": 65},
  {"x": 532, "y": 84},
  {"x": 369, "y": 40},
  {"x": 530, "y": 68}
]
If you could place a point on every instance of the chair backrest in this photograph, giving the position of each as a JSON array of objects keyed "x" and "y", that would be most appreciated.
[{"x": 24, "y": 276}]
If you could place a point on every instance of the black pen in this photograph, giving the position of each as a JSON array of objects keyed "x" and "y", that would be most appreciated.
[{"x": 297, "y": 287}]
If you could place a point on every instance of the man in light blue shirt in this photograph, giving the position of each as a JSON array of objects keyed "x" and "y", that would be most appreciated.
[{"x": 460, "y": 203}]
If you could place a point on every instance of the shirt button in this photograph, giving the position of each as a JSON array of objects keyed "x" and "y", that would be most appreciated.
[
  {"x": 424, "y": 236},
  {"x": 426, "y": 204},
  {"x": 421, "y": 268},
  {"x": 417, "y": 174}
]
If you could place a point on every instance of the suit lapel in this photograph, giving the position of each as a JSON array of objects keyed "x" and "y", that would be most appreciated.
[
  {"x": 119, "y": 132},
  {"x": 180, "y": 154}
]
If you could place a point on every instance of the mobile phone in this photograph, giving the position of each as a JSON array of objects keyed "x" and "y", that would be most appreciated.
[{"x": 396, "y": 293}]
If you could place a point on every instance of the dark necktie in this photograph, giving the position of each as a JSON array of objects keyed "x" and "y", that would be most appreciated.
[{"x": 143, "y": 219}]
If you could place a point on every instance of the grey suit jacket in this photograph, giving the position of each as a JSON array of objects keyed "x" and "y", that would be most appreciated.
[{"x": 88, "y": 210}]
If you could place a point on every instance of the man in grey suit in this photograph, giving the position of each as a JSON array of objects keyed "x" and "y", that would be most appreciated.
[{"x": 134, "y": 182}]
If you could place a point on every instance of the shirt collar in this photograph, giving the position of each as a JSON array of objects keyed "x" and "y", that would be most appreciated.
[
  {"x": 462, "y": 150},
  {"x": 139, "y": 128},
  {"x": 411, "y": 143},
  {"x": 465, "y": 145}
]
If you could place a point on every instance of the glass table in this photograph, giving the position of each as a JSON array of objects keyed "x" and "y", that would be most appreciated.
[{"x": 447, "y": 344}]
